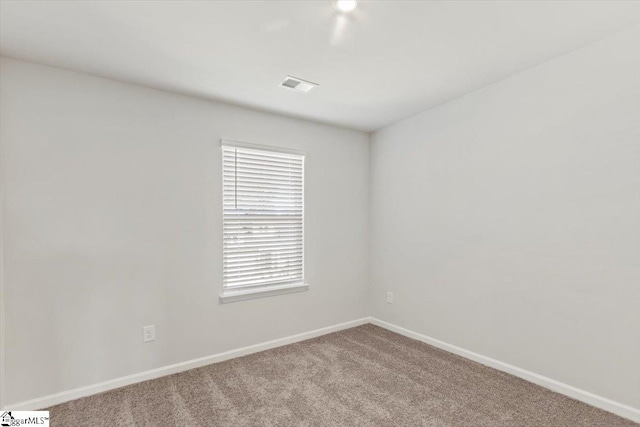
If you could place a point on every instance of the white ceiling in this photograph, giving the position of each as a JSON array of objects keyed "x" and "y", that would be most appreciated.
[{"x": 386, "y": 61}]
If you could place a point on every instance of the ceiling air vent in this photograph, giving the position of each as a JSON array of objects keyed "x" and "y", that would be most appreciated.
[{"x": 297, "y": 84}]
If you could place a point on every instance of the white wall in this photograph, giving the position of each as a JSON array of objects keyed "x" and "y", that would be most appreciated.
[
  {"x": 507, "y": 222},
  {"x": 112, "y": 220}
]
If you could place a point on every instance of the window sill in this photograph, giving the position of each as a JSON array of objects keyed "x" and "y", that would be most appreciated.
[{"x": 233, "y": 295}]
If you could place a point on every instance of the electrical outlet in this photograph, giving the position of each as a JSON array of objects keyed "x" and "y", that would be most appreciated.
[
  {"x": 148, "y": 333},
  {"x": 389, "y": 297}
]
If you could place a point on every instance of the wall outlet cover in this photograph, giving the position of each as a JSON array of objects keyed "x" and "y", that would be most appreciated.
[{"x": 148, "y": 333}]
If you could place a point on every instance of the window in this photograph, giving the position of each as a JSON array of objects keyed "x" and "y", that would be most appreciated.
[{"x": 263, "y": 221}]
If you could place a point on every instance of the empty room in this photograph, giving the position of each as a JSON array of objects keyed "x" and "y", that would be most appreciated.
[{"x": 320, "y": 213}]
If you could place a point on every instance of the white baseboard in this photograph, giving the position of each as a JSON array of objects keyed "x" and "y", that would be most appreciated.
[
  {"x": 557, "y": 386},
  {"x": 76, "y": 393}
]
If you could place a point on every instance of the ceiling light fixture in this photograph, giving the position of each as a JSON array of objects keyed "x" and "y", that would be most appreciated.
[{"x": 346, "y": 6}]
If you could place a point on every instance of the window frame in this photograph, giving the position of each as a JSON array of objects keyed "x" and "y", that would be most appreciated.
[{"x": 231, "y": 294}]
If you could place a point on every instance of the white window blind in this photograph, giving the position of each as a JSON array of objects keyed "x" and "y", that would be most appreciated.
[{"x": 263, "y": 198}]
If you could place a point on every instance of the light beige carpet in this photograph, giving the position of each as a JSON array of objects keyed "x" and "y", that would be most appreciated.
[{"x": 365, "y": 376}]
